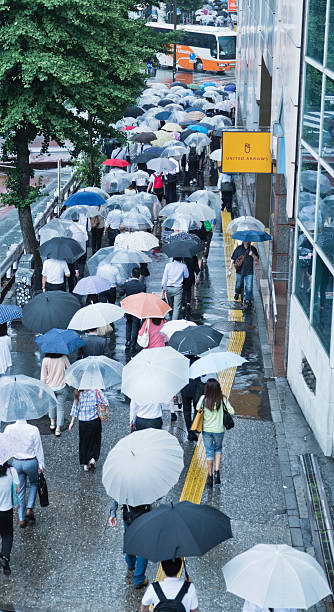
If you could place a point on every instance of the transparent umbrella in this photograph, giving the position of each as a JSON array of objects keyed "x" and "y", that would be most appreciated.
[
  {"x": 197, "y": 140},
  {"x": 199, "y": 212},
  {"x": 176, "y": 151},
  {"x": 23, "y": 397},
  {"x": 245, "y": 223},
  {"x": 204, "y": 196},
  {"x": 96, "y": 372},
  {"x": 140, "y": 241},
  {"x": 114, "y": 255},
  {"x": 97, "y": 190},
  {"x": 136, "y": 221},
  {"x": 56, "y": 228},
  {"x": 182, "y": 223}
]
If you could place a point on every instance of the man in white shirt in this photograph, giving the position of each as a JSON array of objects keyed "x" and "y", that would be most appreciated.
[
  {"x": 113, "y": 221},
  {"x": 172, "y": 284},
  {"x": 171, "y": 588},
  {"x": 79, "y": 234},
  {"x": 141, "y": 178},
  {"x": 145, "y": 416},
  {"x": 28, "y": 460},
  {"x": 121, "y": 238},
  {"x": 53, "y": 273}
]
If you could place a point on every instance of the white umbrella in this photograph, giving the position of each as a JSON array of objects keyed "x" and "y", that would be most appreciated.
[
  {"x": 155, "y": 375},
  {"x": 94, "y": 372},
  {"x": 142, "y": 467},
  {"x": 161, "y": 164},
  {"x": 140, "y": 241},
  {"x": 94, "y": 316},
  {"x": 23, "y": 397},
  {"x": 170, "y": 327},
  {"x": 215, "y": 362},
  {"x": 276, "y": 576},
  {"x": 216, "y": 155},
  {"x": 198, "y": 211}
]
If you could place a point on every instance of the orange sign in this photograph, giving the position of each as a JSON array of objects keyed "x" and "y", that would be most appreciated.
[
  {"x": 232, "y": 6},
  {"x": 246, "y": 152}
]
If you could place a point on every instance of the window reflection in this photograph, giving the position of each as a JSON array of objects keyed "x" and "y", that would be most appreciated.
[
  {"x": 323, "y": 303},
  {"x": 308, "y": 188},
  {"x": 330, "y": 50},
  {"x": 304, "y": 271},
  {"x": 325, "y": 234},
  {"x": 316, "y": 29},
  {"x": 312, "y": 106},
  {"x": 328, "y": 124}
]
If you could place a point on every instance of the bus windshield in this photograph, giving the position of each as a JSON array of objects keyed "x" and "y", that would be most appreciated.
[{"x": 226, "y": 47}]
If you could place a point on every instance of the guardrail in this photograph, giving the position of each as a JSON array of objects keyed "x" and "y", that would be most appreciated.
[{"x": 9, "y": 265}]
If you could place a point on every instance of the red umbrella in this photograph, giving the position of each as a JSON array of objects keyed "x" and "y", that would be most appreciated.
[
  {"x": 119, "y": 163},
  {"x": 127, "y": 128}
]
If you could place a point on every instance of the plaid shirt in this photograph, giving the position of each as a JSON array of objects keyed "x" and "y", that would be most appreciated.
[{"x": 86, "y": 409}]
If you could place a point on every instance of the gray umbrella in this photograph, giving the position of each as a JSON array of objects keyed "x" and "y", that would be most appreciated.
[{"x": 48, "y": 310}]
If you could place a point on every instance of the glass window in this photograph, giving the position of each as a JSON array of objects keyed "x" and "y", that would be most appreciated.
[
  {"x": 308, "y": 188},
  {"x": 227, "y": 47},
  {"x": 316, "y": 29},
  {"x": 328, "y": 124},
  {"x": 325, "y": 234},
  {"x": 330, "y": 50},
  {"x": 304, "y": 271},
  {"x": 312, "y": 106},
  {"x": 323, "y": 303}
]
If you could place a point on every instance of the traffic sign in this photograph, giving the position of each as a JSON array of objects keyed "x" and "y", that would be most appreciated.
[
  {"x": 192, "y": 56},
  {"x": 148, "y": 65}
]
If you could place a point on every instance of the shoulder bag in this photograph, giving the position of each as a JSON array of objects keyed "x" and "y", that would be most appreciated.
[
  {"x": 144, "y": 339},
  {"x": 102, "y": 408},
  {"x": 198, "y": 420},
  {"x": 228, "y": 420}
]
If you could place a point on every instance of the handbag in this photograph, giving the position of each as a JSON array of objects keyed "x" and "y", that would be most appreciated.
[
  {"x": 102, "y": 408},
  {"x": 42, "y": 490},
  {"x": 15, "y": 497},
  {"x": 239, "y": 262},
  {"x": 197, "y": 424},
  {"x": 228, "y": 420},
  {"x": 144, "y": 338}
]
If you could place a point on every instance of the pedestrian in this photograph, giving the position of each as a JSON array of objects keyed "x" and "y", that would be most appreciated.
[
  {"x": 97, "y": 229},
  {"x": 111, "y": 273},
  {"x": 132, "y": 286},
  {"x": 188, "y": 283},
  {"x": 53, "y": 273},
  {"x": 172, "y": 589},
  {"x": 113, "y": 222},
  {"x": 79, "y": 234},
  {"x": 53, "y": 371},
  {"x": 172, "y": 284},
  {"x": 135, "y": 563},
  {"x": 226, "y": 185},
  {"x": 28, "y": 460},
  {"x": 90, "y": 429},
  {"x": 171, "y": 181},
  {"x": 142, "y": 178},
  {"x": 190, "y": 395},
  {"x": 121, "y": 237},
  {"x": 243, "y": 260},
  {"x": 202, "y": 234},
  {"x": 144, "y": 416},
  {"x": 5, "y": 347},
  {"x": 213, "y": 403},
  {"x": 153, "y": 327},
  {"x": 94, "y": 345},
  {"x": 8, "y": 479},
  {"x": 192, "y": 166},
  {"x": 251, "y": 607},
  {"x": 157, "y": 185}
]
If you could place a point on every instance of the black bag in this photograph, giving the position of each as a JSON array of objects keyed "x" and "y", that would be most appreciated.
[
  {"x": 42, "y": 490},
  {"x": 227, "y": 419},
  {"x": 170, "y": 605},
  {"x": 227, "y": 187}
]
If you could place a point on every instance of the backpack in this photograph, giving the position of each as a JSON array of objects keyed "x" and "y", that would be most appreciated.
[
  {"x": 170, "y": 605},
  {"x": 157, "y": 182}
]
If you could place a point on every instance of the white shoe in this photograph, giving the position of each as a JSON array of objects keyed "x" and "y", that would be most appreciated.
[
  {"x": 86, "y": 468},
  {"x": 92, "y": 463}
]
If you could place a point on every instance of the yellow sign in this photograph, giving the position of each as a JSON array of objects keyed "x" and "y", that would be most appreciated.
[{"x": 246, "y": 152}]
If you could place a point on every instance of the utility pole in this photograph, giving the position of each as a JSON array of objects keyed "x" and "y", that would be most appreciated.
[{"x": 174, "y": 51}]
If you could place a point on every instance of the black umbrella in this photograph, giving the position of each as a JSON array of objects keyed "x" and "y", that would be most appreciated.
[
  {"x": 182, "y": 248},
  {"x": 53, "y": 309},
  {"x": 133, "y": 111},
  {"x": 163, "y": 116},
  {"x": 179, "y": 84},
  {"x": 61, "y": 248},
  {"x": 195, "y": 340},
  {"x": 186, "y": 236},
  {"x": 144, "y": 137},
  {"x": 180, "y": 530},
  {"x": 148, "y": 106},
  {"x": 166, "y": 101},
  {"x": 185, "y": 134},
  {"x": 148, "y": 154}
]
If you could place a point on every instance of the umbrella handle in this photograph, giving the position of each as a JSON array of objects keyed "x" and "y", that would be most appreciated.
[{"x": 185, "y": 570}]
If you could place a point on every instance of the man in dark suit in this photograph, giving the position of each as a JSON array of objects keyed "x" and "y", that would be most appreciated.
[
  {"x": 130, "y": 287},
  {"x": 94, "y": 345}
]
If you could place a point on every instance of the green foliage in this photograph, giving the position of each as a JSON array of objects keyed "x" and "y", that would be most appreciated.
[
  {"x": 89, "y": 168},
  {"x": 13, "y": 197}
]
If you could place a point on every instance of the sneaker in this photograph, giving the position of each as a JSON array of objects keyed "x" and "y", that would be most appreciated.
[
  {"x": 86, "y": 468},
  {"x": 210, "y": 481},
  {"x": 192, "y": 436},
  {"x": 30, "y": 517},
  {"x": 173, "y": 417},
  {"x": 236, "y": 296},
  {"x": 92, "y": 463}
]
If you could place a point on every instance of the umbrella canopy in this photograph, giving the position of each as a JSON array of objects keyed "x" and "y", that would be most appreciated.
[
  {"x": 245, "y": 223},
  {"x": 180, "y": 530},
  {"x": 198, "y": 212},
  {"x": 116, "y": 163},
  {"x": 216, "y": 155},
  {"x": 143, "y": 137},
  {"x": 163, "y": 115},
  {"x": 61, "y": 248},
  {"x": 145, "y": 305},
  {"x": 182, "y": 248},
  {"x": 251, "y": 236},
  {"x": 173, "y": 150},
  {"x": 185, "y": 236},
  {"x": 69, "y": 213},
  {"x": 114, "y": 255},
  {"x": 148, "y": 154},
  {"x": 204, "y": 196},
  {"x": 166, "y": 370},
  {"x": 91, "y": 285},
  {"x": 184, "y": 222},
  {"x": 166, "y": 101},
  {"x": 197, "y": 140},
  {"x": 84, "y": 198},
  {"x": 142, "y": 467},
  {"x": 6, "y": 448},
  {"x": 172, "y": 127},
  {"x": 133, "y": 111},
  {"x": 98, "y": 190},
  {"x": 169, "y": 328},
  {"x": 198, "y": 128},
  {"x": 60, "y": 228},
  {"x": 140, "y": 241},
  {"x": 94, "y": 316},
  {"x": 194, "y": 341},
  {"x": 276, "y": 576},
  {"x": 23, "y": 397},
  {"x": 215, "y": 362},
  {"x": 95, "y": 372},
  {"x": 9, "y": 313},
  {"x": 60, "y": 341},
  {"x": 52, "y": 309},
  {"x": 136, "y": 221}
]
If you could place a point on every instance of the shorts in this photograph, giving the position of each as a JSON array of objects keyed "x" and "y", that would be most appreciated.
[{"x": 213, "y": 443}]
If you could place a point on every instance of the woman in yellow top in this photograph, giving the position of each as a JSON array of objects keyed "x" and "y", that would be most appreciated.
[{"x": 213, "y": 402}]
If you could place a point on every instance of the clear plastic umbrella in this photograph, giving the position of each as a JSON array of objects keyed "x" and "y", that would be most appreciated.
[
  {"x": 197, "y": 140},
  {"x": 245, "y": 223},
  {"x": 140, "y": 241},
  {"x": 182, "y": 223},
  {"x": 136, "y": 221},
  {"x": 199, "y": 212},
  {"x": 82, "y": 211},
  {"x": 176, "y": 151},
  {"x": 216, "y": 155},
  {"x": 204, "y": 196},
  {"x": 114, "y": 255},
  {"x": 6, "y": 447},
  {"x": 115, "y": 182},
  {"x": 96, "y": 372},
  {"x": 23, "y": 397},
  {"x": 142, "y": 467},
  {"x": 59, "y": 228},
  {"x": 94, "y": 316},
  {"x": 97, "y": 190}
]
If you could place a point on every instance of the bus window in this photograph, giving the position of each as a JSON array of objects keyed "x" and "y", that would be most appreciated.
[{"x": 226, "y": 47}]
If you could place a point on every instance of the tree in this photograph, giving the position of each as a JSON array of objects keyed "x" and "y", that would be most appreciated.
[{"x": 66, "y": 67}]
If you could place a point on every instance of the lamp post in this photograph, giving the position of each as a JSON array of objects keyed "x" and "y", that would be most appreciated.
[{"x": 174, "y": 50}]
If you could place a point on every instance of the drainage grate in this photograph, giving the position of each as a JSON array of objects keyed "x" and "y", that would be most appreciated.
[{"x": 321, "y": 524}]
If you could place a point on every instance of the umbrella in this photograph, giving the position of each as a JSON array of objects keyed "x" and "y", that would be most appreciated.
[
  {"x": 204, "y": 196},
  {"x": 155, "y": 375},
  {"x": 165, "y": 102},
  {"x": 198, "y": 128},
  {"x": 148, "y": 154},
  {"x": 6, "y": 448},
  {"x": 251, "y": 236},
  {"x": 276, "y": 576},
  {"x": 195, "y": 341},
  {"x": 84, "y": 198},
  {"x": 49, "y": 310},
  {"x": 94, "y": 372},
  {"x": 196, "y": 115},
  {"x": 194, "y": 86},
  {"x": 245, "y": 223},
  {"x": 9, "y": 313},
  {"x": 145, "y": 305},
  {"x": 177, "y": 530},
  {"x": 91, "y": 285},
  {"x": 163, "y": 115},
  {"x": 140, "y": 241},
  {"x": 216, "y": 155},
  {"x": 98, "y": 190},
  {"x": 142, "y": 467},
  {"x": 169, "y": 328},
  {"x": 197, "y": 140},
  {"x": 176, "y": 151},
  {"x": 143, "y": 137},
  {"x": 162, "y": 137},
  {"x": 172, "y": 127},
  {"x": 182, "y": 222},
  {"x": 179, "y": 84},
  {"x": 59, "y": 228},
  {"x": 185, "y": 236},
  {"x": 61, "y": 248},
  {"x": 215, "y": 362},
  {"x": 94, "y": 316},
  {"x": 60, "y": 341},
  {"x": 133, "y": 111},
  {"x": 116, "y": 163},
  {"x": 114, "y": 255},
  {"x": 161, "y": 165},
  {"x": 23, "y": 397},
  {"x": 199, "y": 212},
  {"x": 69, "y": 213},
  {"x": 136, "y": 221},
  {"x": 182, "y": 248}
]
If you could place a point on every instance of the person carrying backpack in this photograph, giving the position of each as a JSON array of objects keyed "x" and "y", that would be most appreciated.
[
  {"x": 156, "y": 183},
  {"x": 171, "y": 594}
]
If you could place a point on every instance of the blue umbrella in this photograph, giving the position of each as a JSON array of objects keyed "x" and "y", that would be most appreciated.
[
  {"x": 8, "y": 313},
  {"x": 209, "y": 84},
  {"x": 87, "y": 198},
  {"x": 230, "y": 87},
  {"x": 163, "y": 116},
  {"x": 251, "y": 236},
  {"x": 92, "y": 285},
  {"x": 198, "y": 128},
  {"x": 60, "y": 341},
  {"x": 193, "y": 108}
]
